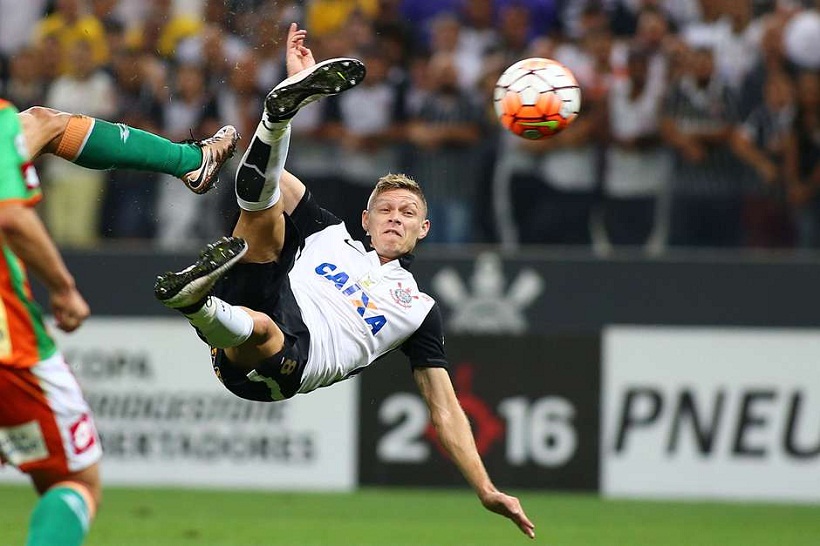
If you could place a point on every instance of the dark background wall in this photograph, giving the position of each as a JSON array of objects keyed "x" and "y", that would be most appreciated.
[{"x": 578, "y": 292}]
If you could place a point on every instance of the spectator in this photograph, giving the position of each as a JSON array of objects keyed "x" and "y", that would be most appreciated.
[
  {"x": 444, "y": 135},
  {"x": 766, "y": 142},
  {"x": 50, "y": 65},
  {"x": 268, "y": 48},
  {"x": 394, "y": 33},
  {"x": 69, "y": 25},
  {"x": 626, "y": 13},
  {"x": 734, "y": 37},
  {"x": 515, "y": 30},
  {"x": 652, "y": 37},
  {"x": 542, "y": 15},
  {"x": 105, "y": 12},
  {"x": 74, "y": 205},
  {"x": 419, "y": 14},
  {"x": 637, "y": 166},
  {"x": 216, "y": 51},
  {"x": 804, "y": 196},
  {"x": 161, "y": 31},
  {"x": 446, "y": 38},
  {"x": 771, "y": 59},
  {"x": 479, "y": 31},
  {"x": 698, "y": 117},
  {"x": 16, "y": 21},
  {"x": 330, "y": 16},
  {"x": 25, "y": 86},
  {"x": 800, "y": 39}
]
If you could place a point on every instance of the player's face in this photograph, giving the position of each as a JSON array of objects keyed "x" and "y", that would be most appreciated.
[{"x": 395, "y": 221}]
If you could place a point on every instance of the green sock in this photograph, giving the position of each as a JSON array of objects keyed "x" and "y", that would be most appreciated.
[
  {"x": 116, "y": 145},
  {"x": 61, "y": 518}
]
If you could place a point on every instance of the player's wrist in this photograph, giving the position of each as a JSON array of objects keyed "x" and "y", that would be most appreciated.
[
  {"x": 486, "y": 491},
  {"x": 62, "y": 285}
]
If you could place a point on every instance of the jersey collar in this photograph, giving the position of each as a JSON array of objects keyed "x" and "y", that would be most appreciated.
[
  {"x": 407, "y": 260},
  {"x": 404, "y": 261}
]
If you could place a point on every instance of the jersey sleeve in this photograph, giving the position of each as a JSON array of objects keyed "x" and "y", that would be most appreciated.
[
  {"x": 18, "y": 180},
  {"x": 310, "y": 218},
  {"x": 425, "y": 348}
]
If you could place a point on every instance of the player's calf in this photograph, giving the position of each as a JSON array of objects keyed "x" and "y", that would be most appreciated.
[
  {"x": 188, "y": 291},
  {"x": 257, "y": 180}
]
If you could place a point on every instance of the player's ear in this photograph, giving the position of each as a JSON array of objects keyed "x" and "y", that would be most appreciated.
[
  {"x": 425, "y": 228},
  {"x": 365, "y": 219}
]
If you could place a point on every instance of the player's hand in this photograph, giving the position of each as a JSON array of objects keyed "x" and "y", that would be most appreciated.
[
  {"x": 297, "y": 56},
  {"x": 509, "y": 507},
  {"x": 800, "y": 194},
  {"x": 693, "y": 151},
  {"x": 69, "y": 308},
  {"x": 767, "y": 171}
]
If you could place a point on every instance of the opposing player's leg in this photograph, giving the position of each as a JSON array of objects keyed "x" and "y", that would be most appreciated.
[
  {"x": 98, "y": 144},
  {"x": 67, "y": 505},
  {"x": 50, "y": 435}
]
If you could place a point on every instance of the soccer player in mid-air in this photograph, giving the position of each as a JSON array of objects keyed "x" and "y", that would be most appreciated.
[
  {"x": 291, "y": 303},
  {"x": 46, "y": 426}
]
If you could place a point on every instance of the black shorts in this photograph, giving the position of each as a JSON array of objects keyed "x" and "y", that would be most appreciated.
[{"x": 266, "y": 288}]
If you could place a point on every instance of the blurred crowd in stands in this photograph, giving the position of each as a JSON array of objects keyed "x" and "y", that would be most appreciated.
[{"x": 700, "y": 123}]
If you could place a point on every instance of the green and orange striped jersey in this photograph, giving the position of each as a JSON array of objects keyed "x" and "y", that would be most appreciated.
[{"x": 24, "y": 340}]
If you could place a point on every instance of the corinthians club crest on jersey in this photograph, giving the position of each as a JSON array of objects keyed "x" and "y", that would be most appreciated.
[{"x": 403, "y": 296}]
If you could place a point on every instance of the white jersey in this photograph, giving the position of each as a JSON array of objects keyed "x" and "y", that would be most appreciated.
[{"x": 357, "y": 309}]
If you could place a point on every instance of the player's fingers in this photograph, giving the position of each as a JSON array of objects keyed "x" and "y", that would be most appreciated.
[
  {"x": 529, "y": 531},
  {"x": 67, "y": 323},
  {"x": 519, "y": 517},
  {"x": 526, "y": 526}
]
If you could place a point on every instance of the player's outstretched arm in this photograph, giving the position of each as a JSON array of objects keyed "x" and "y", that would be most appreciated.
[
  {"x": 27, "y": 237},
  {"x": 454, "y": 433}
]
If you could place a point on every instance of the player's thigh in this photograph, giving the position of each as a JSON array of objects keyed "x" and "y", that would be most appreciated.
[
  {"x": 46, "y": 426},
  {"x": 42, "y": 128},
  {"x": 264, "y": 231}
]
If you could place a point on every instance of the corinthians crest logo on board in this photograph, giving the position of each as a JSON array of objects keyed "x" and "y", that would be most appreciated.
[{"x": 487, "y": 307}]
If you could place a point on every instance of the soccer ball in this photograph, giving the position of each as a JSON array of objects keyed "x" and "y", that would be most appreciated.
[{"x": 537, "y": 98}]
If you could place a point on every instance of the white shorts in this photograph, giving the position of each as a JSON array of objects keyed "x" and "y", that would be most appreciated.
[{"x": 45, "y": 422}]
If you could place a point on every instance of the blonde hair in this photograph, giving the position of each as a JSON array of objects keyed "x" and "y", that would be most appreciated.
[{"x": 397, "y": 181}]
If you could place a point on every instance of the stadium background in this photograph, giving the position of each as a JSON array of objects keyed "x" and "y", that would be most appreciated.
[{"x": 655, "y": 359}]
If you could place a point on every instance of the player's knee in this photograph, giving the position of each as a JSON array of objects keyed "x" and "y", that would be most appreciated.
[
  {"x": 85, "y": 484},
  {"x": 90, "y": 480},
  {"x": 44, "y": 124},
  {"x": 265, "y": 330},
  {"x": 46, "y": 116}
]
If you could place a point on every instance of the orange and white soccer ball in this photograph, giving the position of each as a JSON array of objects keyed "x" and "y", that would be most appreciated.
[{"x": 537, "y": 98}]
